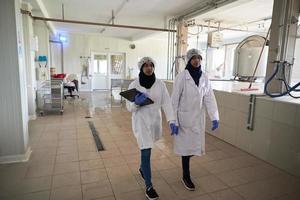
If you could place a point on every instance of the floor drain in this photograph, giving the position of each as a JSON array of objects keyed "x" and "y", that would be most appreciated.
[{"x": 98, "y": 142}]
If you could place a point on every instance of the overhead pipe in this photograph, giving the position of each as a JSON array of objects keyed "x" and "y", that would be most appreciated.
[
  {"x": 95, "y": 23},
  {"x": 228, "y": 29},
  {"x": 114, "y": 14},
  {"x": 247, "y": 23},
  {"x": 204, "y": 7},
  {"x": 63, "y": 11}
]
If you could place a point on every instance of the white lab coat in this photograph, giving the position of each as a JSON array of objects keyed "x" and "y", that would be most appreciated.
[
  {"x": 189, "y": 102},
  {"x": 147, "y": 120}
]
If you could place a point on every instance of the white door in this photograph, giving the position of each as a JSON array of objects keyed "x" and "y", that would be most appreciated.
[{"x": 100, "y": 72}]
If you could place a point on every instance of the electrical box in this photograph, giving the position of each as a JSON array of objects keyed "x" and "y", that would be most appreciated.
[{"x": 215, "y": 39}]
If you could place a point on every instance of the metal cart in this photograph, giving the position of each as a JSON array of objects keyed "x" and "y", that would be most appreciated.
[{"x": 50, "y": 96}]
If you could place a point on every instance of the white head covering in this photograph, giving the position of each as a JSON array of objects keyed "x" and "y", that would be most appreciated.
[
  {"x": 191, "y": 53},
  {"x": 144, "y": 60}
]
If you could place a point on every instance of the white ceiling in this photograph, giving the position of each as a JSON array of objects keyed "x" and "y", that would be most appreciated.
[
  {"x": 247, "y": 15},
  {"x": 135, "y": 12},
  {"x": 239, "y": 13},
  {"x": 149, "y": 13}
]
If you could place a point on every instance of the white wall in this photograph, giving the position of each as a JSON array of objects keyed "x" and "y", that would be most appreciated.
[
  {"x": 13, "y": 98},
  {"x": 296, "y": 68},
  {"x": 29, "y": 61},
  {"x": 83, "y": 44},
  {"x": 42, "y": 32}
]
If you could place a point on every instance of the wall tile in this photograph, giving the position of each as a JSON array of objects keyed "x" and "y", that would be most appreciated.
[
  {"x": 231, "y": 100},
  {"x": 264, "y": 107},
  {"x": 297, "y": 120},
  {"x": 229, "y": 134},
  {"x": 285, "y": 113},
  {"x": 284, "y": 137},
  {"x": 244, "y": 141},
  {"x": 230, "y": 117},
  {"x": 219, "y": 97},
  {"x": 243, "y": 105}
]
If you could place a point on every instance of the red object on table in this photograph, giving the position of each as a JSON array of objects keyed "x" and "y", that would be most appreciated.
[{"x": 59, "y": 76}]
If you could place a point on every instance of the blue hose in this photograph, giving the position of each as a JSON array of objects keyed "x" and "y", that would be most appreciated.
[{"x": 289, "y": 89}]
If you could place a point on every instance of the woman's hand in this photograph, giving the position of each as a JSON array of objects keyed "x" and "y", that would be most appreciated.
[
  {"x": 215, "y": 125},
  {"x": 174, "y": 129},
  {"x": 140, "y": 98}
]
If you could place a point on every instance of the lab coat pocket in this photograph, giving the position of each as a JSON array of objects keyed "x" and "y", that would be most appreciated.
[{"x": 184, "y": 119}]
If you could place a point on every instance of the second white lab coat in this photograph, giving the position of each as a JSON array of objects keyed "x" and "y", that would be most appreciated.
[
  {"x": 147, "y": 120},
  {"x": 189, "y": 103}
]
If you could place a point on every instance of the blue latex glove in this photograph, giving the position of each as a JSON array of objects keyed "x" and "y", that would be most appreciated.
[
  {"x": 140, "y": 98},
  {"x": 174, "y": 129},
  {"x": 215, "y": 125}
]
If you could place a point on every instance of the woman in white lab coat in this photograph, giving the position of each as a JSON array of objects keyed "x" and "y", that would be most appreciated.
[
  {"x": 192, "y": 93},
  {"x": 147, "y": 120}
]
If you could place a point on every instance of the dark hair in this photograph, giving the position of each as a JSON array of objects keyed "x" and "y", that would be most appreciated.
[
  {"x": 144, "y": 65},
  {"x": 197, "y": 56}
]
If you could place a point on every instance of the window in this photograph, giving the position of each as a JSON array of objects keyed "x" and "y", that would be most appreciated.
[
  {"x": 229, "y": 60},
  {"x": 220, "y": 62},
  {"x": 117, "y": 64},
  {"x": 215, "y": 62},
  {"x": 100, "y": 64},
  {"x": 295, "y": 77}
]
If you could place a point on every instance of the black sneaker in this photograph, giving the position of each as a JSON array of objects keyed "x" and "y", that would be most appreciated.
[
  {"x": 141, "y": 172},
  {"x": 188, "y": 184},
  {"x": 151, "y": 194}
]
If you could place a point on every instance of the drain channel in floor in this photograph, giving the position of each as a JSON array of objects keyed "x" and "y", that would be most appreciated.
[{"x": 98, "y": 142}]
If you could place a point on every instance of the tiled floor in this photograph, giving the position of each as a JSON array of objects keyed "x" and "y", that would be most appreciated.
[{"x": 65, "y": 164}]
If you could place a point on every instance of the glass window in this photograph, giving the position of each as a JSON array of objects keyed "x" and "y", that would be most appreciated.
[
  {"x": 229, "y": 60},
  {"x": 102, "y": 67},
  {"x": 295, "y": 77},
  {"x": 215, "y": 62},
  {"x": 100, "y": 64},
  {"x": 95, "y": 66},
  {"x": 117, "y": 64}
]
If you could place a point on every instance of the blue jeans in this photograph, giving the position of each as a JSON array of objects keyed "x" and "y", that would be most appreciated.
[{"x": 146, "y": 166}]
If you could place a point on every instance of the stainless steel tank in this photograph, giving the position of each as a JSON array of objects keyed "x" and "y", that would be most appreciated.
[{"x": 246, "y": 57}]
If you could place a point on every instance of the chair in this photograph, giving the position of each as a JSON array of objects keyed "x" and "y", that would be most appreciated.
[{"x": 71, "y": 86}]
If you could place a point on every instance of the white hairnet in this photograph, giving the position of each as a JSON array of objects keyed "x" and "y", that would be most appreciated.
[
  {"x": 144, "y": 60},
  {"x": 191, "y": 53}
]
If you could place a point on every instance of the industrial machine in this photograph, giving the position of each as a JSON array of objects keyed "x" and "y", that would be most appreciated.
[{"x": 248, "y": 54}]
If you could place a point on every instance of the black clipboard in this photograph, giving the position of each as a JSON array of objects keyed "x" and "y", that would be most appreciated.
[{"x": 130, "y": 94}]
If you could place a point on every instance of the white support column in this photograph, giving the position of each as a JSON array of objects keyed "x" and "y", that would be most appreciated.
[
  {"x": 29, "y": 61},
  {"x": 13, "y": 99},
  {"x": 282, "y": 38},
  {"x": 181, "y": 46}
]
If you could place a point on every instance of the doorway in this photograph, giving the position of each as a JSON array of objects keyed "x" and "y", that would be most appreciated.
[{"x": 107, "y": 66}]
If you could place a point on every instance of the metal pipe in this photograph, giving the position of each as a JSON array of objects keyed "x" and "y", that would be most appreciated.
[
  {"x": 252, "y": 22},
  {"x": 173, "y": 48},
  {"x": 63, "y": 11},
  {"x": 114, "y": 15},
  {"x": 62, "y": 57},
  {"x": 229, "y": 29},
  {"x": 61, "y": 51},
  {"x": 261, "y": 52},
  {"x": 168, "y": 56},
  {"x": 95, "y": 23},
  {"x": 204, "y": 7},
  {"x": 251, "y": 112}
]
